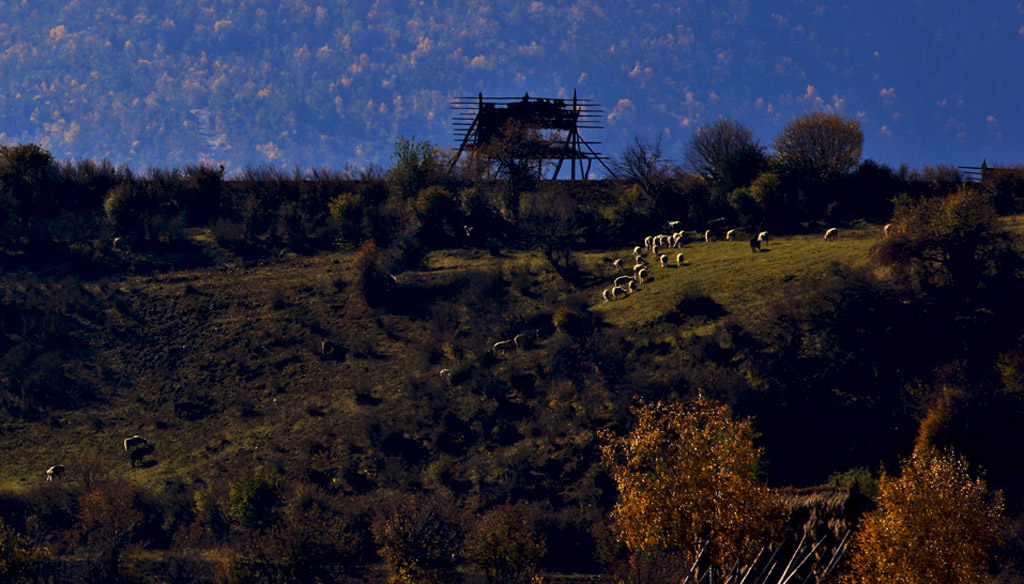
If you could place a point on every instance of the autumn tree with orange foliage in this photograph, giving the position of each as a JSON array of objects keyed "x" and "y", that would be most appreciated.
[
  {"x": 934, "y": 524},
  {"x": 107, "y": 524},
  {"x": 687, "y": 481}
]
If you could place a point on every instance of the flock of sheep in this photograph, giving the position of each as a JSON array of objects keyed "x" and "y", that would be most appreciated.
[{"x": 626, "y": 284}]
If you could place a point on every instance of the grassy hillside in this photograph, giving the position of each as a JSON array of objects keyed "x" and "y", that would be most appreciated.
[{"x": 244, "y": 341}]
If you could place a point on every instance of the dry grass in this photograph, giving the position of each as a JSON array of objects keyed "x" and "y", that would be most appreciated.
[{"x": 244, "y": 341}]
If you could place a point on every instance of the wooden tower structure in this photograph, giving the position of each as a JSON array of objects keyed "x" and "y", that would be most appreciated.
[{"x": 553, "y": 125}]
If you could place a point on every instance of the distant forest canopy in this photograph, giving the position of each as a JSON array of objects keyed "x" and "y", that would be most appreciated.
[{"x": 327, "y": 85}]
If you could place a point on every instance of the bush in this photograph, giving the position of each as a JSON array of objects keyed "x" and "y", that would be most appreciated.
[
  {"x": 253, "y": 501},
  {"x": 505, "y": 545},
  {"x": 419, "y": 538},
  {"x": 17, "y": 557}
]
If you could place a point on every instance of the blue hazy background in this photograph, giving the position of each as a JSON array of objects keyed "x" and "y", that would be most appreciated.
[{"x": 322, "y": 84}]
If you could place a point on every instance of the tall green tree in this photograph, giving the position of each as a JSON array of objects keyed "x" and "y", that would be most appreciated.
[
  {"x": 820, "y": 145},
  {"x": 718, "y": 148}
]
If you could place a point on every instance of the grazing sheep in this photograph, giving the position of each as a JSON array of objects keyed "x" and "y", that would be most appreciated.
[
  {"x": 446, "y": 374},
  {"x": 831, "y": 234},
  {"x": 728, "y": 234},
  {"x": 503, "y": 346},
  {"x": 647, "y": 242},
  {"x": 663, "y": 259},
  {"x": 55, "y": 471},
  {"x": 637, "y": 250},
  {"x": 679, "y": 260},
  {"x": 617, "y": 290},
  {"x": 755, "y": 245},
  {"x": 673, "y": 224},
  {"x": 641, "y": 275},
  {"x": 654, "y": 251},
  {"x": 618, "y": 264},
  {"x": 637, "y": 267},
  {"x": 621, "y": 280},
  {"x": 139, "y": 453},
  {"x": 630, "y": 287},
  {"x": 707, "y": 236},
  {"x": 762, "y": 237},
  {"x": 607, "y": 294},
  {"x": 133, "y": 441},
  {"x": 521, "y": 339},
  {"x": 885, "y": 230}
]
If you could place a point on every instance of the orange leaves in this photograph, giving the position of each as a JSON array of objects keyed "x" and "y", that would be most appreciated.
[
  {"x": 687, "y": 475},
  {"x": 933, "y": 524}
]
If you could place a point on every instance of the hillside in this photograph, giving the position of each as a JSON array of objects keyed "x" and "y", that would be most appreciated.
[
  {"x": 245, "y": 341},
  {"x": 321, "y": 407}
]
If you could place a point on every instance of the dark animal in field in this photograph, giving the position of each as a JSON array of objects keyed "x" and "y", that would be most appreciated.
[
  {"x": 755, "y": 245},
  {"x": 133, "y": 441},
  {"x": 55, "y": 471},
  {"x": 139, "y": 453},
  {"x": 187, "y": 410}
]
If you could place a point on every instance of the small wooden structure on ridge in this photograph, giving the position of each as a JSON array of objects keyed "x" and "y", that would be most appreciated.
[{"x": 483, "y": 121}]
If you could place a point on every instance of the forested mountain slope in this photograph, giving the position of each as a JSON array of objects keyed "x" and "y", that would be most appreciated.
[{"x": 297, "y": 82}]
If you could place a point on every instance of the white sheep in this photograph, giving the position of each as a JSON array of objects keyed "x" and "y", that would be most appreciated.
[
  {"x": 707, "y": 236},
  {"x": 728, "y": 234},
  {"x": 762, "y": 237},
  {"x": 673, "y": 224},
  {"x": 519, "y": 340},
  {"x": 679, "y": 260},
  {"x": 503, "y": 346},
  {"x": 831, "y": 233},
  {"x": 55, "y": 471},
  {"x": 641, "y": 275},
  {"x": 885, "y": 230},
  {"x": 663, "y": 259},
  {"x": 630, "y": 287},
  {"x": 622, "y": 280},
  {"x": 133, "y": 441},
  {"x": 637, "y": 250},
  {"x": 647, "y": 242},
  {"x": 618, "y": 264},
  {"x": 607, "y": 294},
  {"x": 446, "y": 374},
  {"x": 617, "y": 290}
]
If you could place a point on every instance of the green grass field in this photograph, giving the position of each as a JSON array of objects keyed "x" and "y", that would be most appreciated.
[{"x": 731, "y": 275}]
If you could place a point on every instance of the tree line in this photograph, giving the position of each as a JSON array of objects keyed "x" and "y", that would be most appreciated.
[{"x": 813, "y": 176}]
